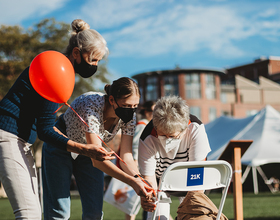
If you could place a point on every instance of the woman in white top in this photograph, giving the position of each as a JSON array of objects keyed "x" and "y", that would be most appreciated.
[{"x": 104, "y": 115}]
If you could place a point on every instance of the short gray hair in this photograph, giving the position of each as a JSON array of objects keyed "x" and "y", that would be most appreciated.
[
  {"x": 171, "y": 114},
  {"x": 86, "y": 39}
]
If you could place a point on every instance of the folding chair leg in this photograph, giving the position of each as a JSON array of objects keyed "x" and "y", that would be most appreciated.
[
  {"x": 162, "y": 212},
  {"x": 162, "y": 209}
]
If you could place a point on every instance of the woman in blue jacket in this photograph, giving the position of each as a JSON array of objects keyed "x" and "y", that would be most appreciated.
[{"x": 24, "y": 114}]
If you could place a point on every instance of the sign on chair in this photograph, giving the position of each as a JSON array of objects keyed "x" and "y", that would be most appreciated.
[{"x": 195, "y": 176}]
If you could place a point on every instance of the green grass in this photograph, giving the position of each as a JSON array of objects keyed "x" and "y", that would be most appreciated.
[{"x": 264, "y": 206}]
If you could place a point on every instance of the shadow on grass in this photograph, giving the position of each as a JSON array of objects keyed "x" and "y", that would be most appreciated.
[
  {"x": 262, "y": 218},
  {"x": 250, "y": 195}
]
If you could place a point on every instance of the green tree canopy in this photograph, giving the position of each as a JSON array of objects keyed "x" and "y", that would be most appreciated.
[{"x": 18, "y": 47}]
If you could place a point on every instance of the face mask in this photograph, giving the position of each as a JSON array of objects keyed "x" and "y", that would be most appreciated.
[
  {"x": 169, "y": 143},
  {"x": 84, "y": 69},
  {"x": 125, "y": 114}
]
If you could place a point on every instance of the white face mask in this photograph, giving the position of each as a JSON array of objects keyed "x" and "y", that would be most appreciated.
[{"x": 169, "y": 143}]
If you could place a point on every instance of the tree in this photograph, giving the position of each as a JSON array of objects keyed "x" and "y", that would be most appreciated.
[{"x": 18, "y": 46}]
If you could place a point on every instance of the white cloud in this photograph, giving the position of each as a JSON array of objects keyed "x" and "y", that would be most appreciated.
[
  {"x": 268, "y": 13},
  {"x": 15, "y": 11},
  {"x": 111, "y": 13},
  {"x": 146, "y": 28},
  {"x": 181, "y": 29},
  {"x": 185, "y": 28},
  {"x": 268, "y": 24}
]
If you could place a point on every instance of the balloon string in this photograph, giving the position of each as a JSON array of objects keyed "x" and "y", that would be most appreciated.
[
  {"x": 59, "y": 108},
  {"x": 96, "y": 134},
  {"x": 107, "y": 145}
]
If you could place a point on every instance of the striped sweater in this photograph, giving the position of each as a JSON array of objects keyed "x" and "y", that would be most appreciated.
[{"x": 152, "y": 158}]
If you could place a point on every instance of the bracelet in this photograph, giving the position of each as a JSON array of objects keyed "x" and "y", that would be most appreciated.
[{"x": 137, "y": 175}]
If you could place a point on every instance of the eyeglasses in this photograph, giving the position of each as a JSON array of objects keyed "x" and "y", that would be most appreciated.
[{"x": 170, "y": 139}]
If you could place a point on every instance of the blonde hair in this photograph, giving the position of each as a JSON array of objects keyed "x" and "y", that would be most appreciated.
[
  {"x": 86, "y": 39},
  {"x": 171, "y": 114}
]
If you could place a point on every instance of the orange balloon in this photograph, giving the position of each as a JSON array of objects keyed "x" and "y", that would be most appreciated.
[{"x": 52, "y": 75}]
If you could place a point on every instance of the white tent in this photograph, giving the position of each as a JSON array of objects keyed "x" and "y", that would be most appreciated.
[{"x": 263, "y": 128}]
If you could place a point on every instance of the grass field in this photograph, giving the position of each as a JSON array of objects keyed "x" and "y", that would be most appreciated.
[{"x": 264, "y": 206}]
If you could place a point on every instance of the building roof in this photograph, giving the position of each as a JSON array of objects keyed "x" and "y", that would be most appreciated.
[
  {"x": 178, "y": 71},
  {"x": 259, "y": 60}
]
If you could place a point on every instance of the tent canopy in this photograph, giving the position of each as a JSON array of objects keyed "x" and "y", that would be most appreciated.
[{"x": 263, "y": 128}]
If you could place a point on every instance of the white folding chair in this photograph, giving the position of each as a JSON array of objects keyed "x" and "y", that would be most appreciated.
[{"x": 193, "y": 176}]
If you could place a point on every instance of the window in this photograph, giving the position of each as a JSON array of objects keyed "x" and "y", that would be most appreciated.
[
  {"x": 223, "y": 97},
  {"x": 192, "y": 82},
  {"x": 194, "y": 110},
  {"x": 210, "y": 86},
  {"x": 225, "y": 113},
  {"x": 170, "y": 85},
  {"x": 152, "y": 88},
  {"x": 212, "y": 114}
]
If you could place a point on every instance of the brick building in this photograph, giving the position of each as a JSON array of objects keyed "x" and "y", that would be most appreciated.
[
  {"x": 200, "y": 87},
  {"x": 239, "y": 92},
  {"x": 266, "y": 67}
]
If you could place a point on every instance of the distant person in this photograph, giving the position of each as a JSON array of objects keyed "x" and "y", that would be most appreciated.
[
  {"x": 173, "y": 135},
  {"x": 274, "y": 182},
  {"x": 24, "y": 114},
  {"x": 105, "y": 114},
  {"x": 146, "y": 112}
]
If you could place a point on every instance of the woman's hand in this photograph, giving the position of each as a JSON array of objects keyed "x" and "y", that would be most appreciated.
[
  {"x": 148, "y": 204},
  {"x": 97, "y": 152},
  {"x": 94, "y": 151},
  {"x": 143, "y": 189}
]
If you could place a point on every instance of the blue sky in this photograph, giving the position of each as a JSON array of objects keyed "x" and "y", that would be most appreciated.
[{"x": 148, "y": 35}]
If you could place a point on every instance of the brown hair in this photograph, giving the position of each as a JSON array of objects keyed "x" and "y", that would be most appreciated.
[
  {"x": 122, "y": 88},
  {"x": 147, "y": 106}
]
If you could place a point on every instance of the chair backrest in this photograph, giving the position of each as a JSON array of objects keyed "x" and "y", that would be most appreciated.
[{"x": 197, "y": 175}]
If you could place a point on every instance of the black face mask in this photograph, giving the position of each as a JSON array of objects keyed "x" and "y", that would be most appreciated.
[
  {"x": 84, "y": 69},
  {"x": 125, "y": 114}
]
